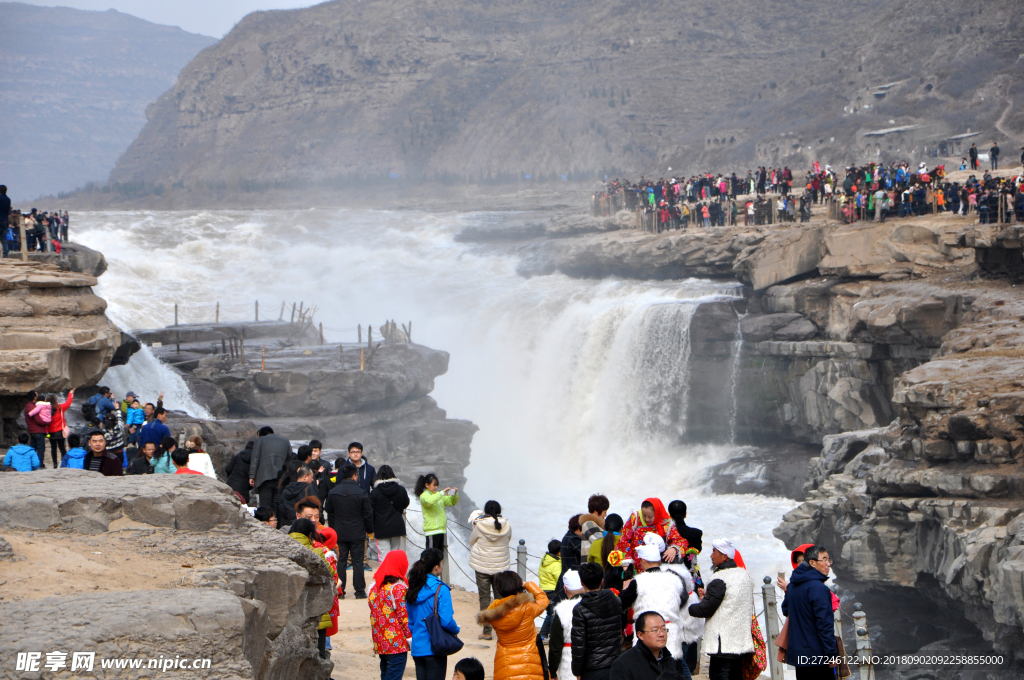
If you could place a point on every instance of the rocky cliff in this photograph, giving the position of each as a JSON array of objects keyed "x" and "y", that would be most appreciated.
[
  {"x": 345, "y": 93},
  {"x": 336, "y": 393},
  {"x": 894, "y": 349},
  {"x": 158, "y": 567},
  {"x": 55, "y": 333},
  {"x": 76, "y": 86}
]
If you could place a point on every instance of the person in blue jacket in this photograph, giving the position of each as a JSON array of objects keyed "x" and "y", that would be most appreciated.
[
  {"x": 808, "y": 604},
  {"x": 155, "y": 430},
  {"x": 75, "y": 457},
  {"x": 24, "y": 458},
  {"x": 424, "y": 581}
]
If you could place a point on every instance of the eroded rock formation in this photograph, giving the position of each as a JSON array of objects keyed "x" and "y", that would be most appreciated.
[
  {"x": 331, "y": 392},
  {"x": 223, "y": 586}
]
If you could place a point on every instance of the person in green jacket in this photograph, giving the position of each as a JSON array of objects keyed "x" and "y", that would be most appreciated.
[
  {"x": 433, "y": 503},
  {"x": 304, "y": 531},
  {"x": 550, "y": 570}
]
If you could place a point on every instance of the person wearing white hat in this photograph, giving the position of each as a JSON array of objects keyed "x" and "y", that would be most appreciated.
[
  {"x": 664, "y": 592},
  {"x": 559, "y": 640},
  {"x": 727, "y": 607}
]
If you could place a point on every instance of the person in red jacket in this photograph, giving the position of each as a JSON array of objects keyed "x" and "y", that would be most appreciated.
[
  {"x": 36, "y": 429},
  {"x": 55, "y": 430}
]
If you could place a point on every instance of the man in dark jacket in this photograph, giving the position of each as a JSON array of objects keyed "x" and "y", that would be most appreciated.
[
  {"x": 364, "y": 471},
  {"x": 350, "y": 515},
  {"x": 648, "y": 658},
  {"x": 808, "y": 604},
  {"x": 237, "y": 471},
  {"x": 5, "y": 215},
  {"x": 155, "y": 430},
  {"x": 99, "y": 459},
  {"x": 292, "y": 494},
  {"x": 269, "y": 454},
  {"x": 596, "y": 633},
  {"x": 571, "y": 553}
]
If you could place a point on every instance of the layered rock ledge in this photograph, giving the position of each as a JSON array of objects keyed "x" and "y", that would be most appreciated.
[
  {"x": 165, "y": 565},
  {"x": 332, "y": 392}
]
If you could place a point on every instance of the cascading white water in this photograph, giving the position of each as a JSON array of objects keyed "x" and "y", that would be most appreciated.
[
  {"x": 578, "y": 386},
  {"x": 734, "y": 375}
]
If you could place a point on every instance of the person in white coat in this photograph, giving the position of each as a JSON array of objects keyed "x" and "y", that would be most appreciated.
[
  {"x": 488, "y": 552},
  {"x": 560, "y": 640},
  {"x": 657, "y": 590},
  {"x": 728, "y": 607}
]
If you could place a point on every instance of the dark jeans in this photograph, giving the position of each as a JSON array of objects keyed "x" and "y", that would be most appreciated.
[
  {"x": 354, "y": 548},
  {"x": 392, "y": 666},
  {"x": 815, "y": 673},
  {"x": 725, "y": 667},
  {"x": 431, "y": 667},
  {"x": 545, "y": 628},
  {"x": 38, "y": 442},
  {"x": 690, "y": 656},
  {"x": 485, "y": 586},
  {"x": 321, "y": 643},
  {"x": 268, "y": 494},
  {"x": 436, "y": 541},
  {"x": 56, "y": 441}
]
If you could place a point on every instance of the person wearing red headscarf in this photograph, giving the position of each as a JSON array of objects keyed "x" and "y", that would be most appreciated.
[
  {"x": 652, "y": 518},
  {"x": 389, "y": 618},
  {"x": 327, "y": 539}
]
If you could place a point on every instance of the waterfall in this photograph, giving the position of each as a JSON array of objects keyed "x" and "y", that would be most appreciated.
[{"x": 737, "y": 354}]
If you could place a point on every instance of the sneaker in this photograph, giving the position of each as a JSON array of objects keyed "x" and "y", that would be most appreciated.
[
  {"x": 367, "y": 567},
  {"x": 360, "y": 595},
  {"x": 341, "y": 595},
  {"x": 484, "y": 636}
]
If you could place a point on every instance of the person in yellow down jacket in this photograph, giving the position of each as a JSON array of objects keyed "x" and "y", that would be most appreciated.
[
  {"x": 517, "y": 656},
  {"x": 433, "y": 504},
  {"x": 550, "y": 570}
]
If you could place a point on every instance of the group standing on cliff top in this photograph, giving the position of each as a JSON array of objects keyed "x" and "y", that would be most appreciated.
[
  {"x": 872, "y": 191},
  {"x": 39, "y": 228}
]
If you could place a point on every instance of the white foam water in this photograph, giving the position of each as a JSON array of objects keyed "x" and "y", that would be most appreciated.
[{"x": 578, "y": 386}]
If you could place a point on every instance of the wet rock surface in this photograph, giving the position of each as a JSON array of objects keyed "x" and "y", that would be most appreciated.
[{"x": 249, "y": 598}]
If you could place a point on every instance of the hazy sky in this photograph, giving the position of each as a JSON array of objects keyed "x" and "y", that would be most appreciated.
[{"x": 209, "y": 17}]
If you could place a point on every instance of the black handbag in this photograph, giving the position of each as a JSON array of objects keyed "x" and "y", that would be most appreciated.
[{"x": 442, "y": 643}]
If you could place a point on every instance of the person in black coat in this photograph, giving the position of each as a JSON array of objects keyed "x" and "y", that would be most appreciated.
[
  {"x": 693, "y": 536},
  {"x": 596, "y": 633},
  {"x": 292, "y": 492},
  {"x": 350, "y": 515},
  {"x": 808, "y": 604},
  {"x": 648, "y": 658},
  {"x": 389, "y": 499},
  {"x": 237, "y": 471}
]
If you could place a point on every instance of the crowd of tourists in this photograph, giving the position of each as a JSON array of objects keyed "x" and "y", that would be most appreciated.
[
  {"x": 44, "y": 231},
  {"x": 622, "y": 598},
  {"x": 873, "y": 191},
  {"x": 117, "y": 437}
]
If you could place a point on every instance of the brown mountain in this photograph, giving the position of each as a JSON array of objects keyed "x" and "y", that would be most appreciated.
[
  {"x": 74, "y": 89},
  {"x": 470, "y": 91}
]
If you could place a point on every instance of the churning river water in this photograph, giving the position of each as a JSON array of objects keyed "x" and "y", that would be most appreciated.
[{"x": 576, "y": 385}]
